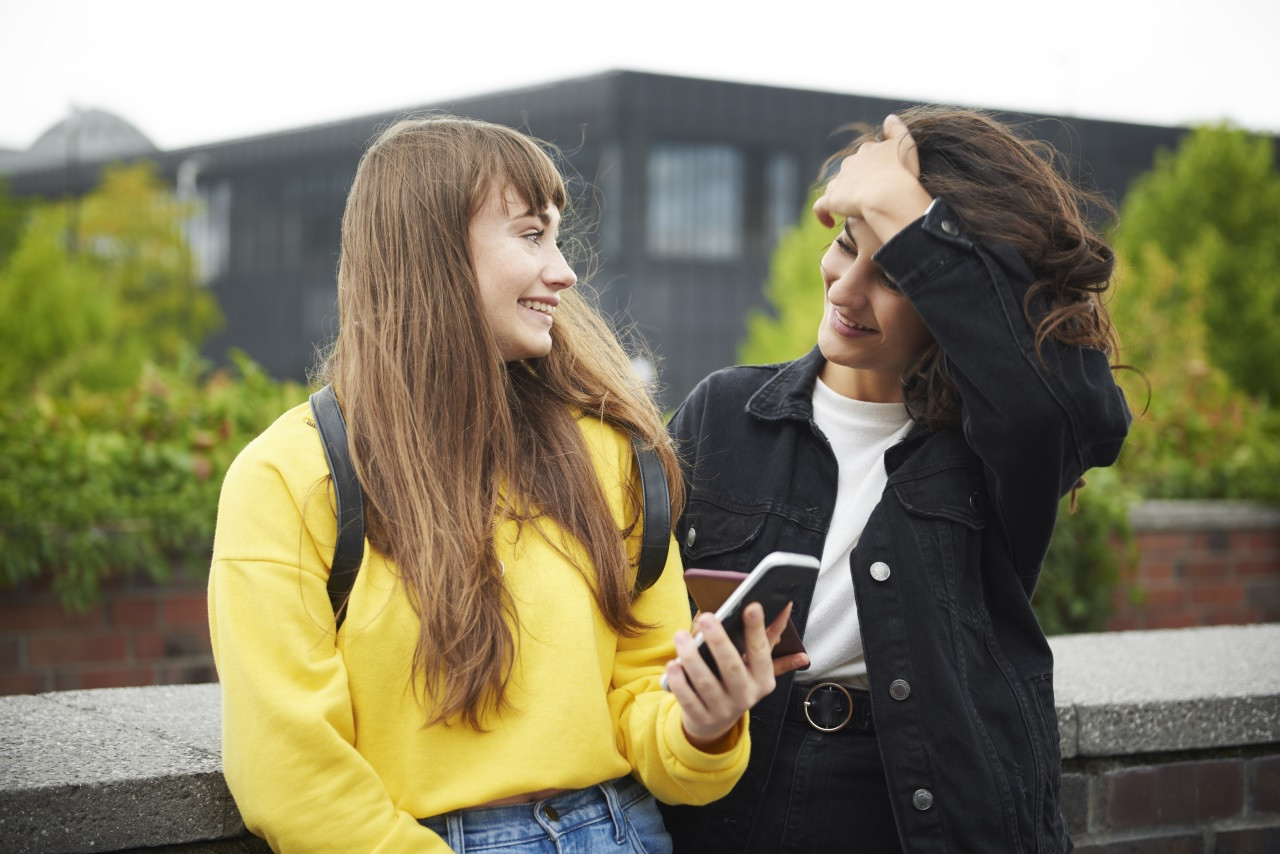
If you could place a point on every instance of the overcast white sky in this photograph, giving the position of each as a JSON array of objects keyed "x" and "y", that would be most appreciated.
[{"x": 188, "y": 71}]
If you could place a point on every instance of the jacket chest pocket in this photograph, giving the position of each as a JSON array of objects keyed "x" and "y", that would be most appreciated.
[
  {"x": 945, "y": 511},
  {"x": 710, "y": 536},
  {"x": 954, "y": 494}
]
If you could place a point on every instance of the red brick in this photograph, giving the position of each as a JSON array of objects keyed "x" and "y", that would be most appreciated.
[
  {"x": 134, "y": 611},
  {"x": 72, "y": 649},
  {"x": 185, "y": 609},
  {"x": 1232, "y": 616},
  {"x": 10, "y": 653},
  {"x": 1220, "y": 789},
  {"x": 125, "y": 678},
  {"x": 1162, "y": 599},
  {"x": 22, "y": 683},
  {"x": 1264, "y": 784},
  {"x": 1255, "y": 565},
  {"x": 1225, "y": 593},
  {"x": 1156, "y": 570},
  {"x": 1173, "y": 543},
  {"x": 1175, "y": 786},
  {"x": 44, "y": 614},
  {"x": 1209, "y": 568},
  {"x": 1266, "y": 542},
  {"x": 148, "y": 645},
  {"x": 1131, "y": 799}
]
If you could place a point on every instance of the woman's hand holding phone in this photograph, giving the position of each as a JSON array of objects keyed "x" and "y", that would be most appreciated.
[{"x": 712, "y": 706}]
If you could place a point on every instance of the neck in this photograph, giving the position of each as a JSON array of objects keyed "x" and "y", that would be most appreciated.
[{"x": 867, "y": 386}]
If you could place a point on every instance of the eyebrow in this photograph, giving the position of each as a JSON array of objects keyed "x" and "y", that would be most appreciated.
[
  {"x": 849, "y": 232},
  {"x": 541, "y": 216}
]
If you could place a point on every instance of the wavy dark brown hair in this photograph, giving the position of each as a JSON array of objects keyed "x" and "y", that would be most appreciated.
[
  {"x": 1006, "y": 188},
  {"x": 437, "y": 420}
]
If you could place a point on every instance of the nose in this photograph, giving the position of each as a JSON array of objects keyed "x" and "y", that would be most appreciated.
[
  {"x": 850, "y": 287},
  {"x": 559, "y": 274}
]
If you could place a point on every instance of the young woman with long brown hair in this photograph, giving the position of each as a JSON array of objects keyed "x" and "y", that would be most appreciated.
[
  {"x": 960, "y": 386},
  {"x": 495, "y": 682}
]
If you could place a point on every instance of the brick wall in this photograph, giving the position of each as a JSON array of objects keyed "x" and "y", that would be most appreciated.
[
  {"x": 1201, "y": 564},
  {"x": 1174, "y": 805},
  {"x": 141, "y": 633}
]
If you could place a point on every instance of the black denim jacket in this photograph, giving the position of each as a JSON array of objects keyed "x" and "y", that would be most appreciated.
[{"x": 961, "y": 675}]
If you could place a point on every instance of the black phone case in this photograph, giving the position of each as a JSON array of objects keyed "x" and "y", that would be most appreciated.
[{"x": 783, "y": 583}]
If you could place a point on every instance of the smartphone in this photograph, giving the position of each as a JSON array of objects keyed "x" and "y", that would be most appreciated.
[
  {"x": 711, "y": 587},
  {"x": 779, "y": 578}
]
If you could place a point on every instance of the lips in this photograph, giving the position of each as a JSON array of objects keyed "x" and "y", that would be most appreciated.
[{"x": 844, "y": 321}]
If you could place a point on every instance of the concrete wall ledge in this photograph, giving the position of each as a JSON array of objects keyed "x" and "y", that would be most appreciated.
[
  {"x": 1216, "y": 515},
  {"x": 124, "y": 768}
]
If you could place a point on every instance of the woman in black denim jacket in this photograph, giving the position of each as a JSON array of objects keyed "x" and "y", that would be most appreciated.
[{"x": 964, "y": 290}]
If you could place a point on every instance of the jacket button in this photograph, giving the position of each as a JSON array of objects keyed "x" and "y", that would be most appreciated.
[
  {"x": 973, "y": 501},
  {"x": 899, "y": 689},
  {"x": 690, "y": 538},
  {"x": 949, "y": 227},
  {"x": 879, "y": 570},
  {"x": 922, "y": 799}
]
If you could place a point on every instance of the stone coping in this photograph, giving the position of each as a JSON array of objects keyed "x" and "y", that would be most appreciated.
[
  {"x": 1122, "y": 693},
  {"x": 123, "y": 768},
  {"x": 1218, "y": 515}
]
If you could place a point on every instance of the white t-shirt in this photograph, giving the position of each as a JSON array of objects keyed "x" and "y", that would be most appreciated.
[{"x": 859, "y": 433}]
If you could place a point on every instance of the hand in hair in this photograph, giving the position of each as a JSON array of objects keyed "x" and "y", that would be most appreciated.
[
  {"x": 712, "y": 707},
  {"x": 879, "y": 183}
]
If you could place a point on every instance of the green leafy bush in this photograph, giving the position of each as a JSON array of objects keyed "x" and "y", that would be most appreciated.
[
  {"x": 1092, "y": 548},
  {"x": 98, "y": 483}
]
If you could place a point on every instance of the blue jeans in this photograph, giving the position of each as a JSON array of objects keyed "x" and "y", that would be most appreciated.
[{"x": 616, "y": 815}]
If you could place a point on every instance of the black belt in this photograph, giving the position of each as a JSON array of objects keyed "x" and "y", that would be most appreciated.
[{"x": 829, "y": 707}]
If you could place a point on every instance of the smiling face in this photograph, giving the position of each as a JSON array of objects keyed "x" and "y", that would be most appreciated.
[
  {"x": 520, "y": 271},
  {"x": 869, "y": 331}
]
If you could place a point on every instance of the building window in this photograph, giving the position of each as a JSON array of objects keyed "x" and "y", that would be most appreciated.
[
  {"x": 695, "y": 201},
  {"x": 209, "y": 232},
  {"x": 781, "y": 195}
]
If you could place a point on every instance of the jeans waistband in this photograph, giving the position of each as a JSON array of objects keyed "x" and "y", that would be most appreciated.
[
  {"x": 831, "y": 708},
  {"x": 551, "y": 817}
]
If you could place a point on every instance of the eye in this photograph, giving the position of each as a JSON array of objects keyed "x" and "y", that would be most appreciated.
[
  {"x": 888, "y": 283},
  {"x": 846, "y": 246},
  {"x": 535, "y": 236}
]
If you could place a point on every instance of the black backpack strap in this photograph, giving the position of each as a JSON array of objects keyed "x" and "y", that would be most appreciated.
[
  {"x": 348, "y": 549},
  {"x": 656, "y": 498}
]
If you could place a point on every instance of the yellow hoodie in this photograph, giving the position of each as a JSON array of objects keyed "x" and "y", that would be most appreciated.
[{"x": 323, "y": 743}]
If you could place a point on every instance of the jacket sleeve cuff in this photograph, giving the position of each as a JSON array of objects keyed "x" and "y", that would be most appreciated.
[{"x": 925, "y": 247}]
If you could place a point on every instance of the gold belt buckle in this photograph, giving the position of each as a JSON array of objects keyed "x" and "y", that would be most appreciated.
[{"x": 848, "y": 699}]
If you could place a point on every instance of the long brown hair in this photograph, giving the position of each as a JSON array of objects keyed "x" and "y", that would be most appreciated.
[
  {"x": 1004, "y": 188},
  {"x": 437, "y": 420}
]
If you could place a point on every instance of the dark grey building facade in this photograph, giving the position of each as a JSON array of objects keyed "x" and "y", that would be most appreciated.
[{"x": 682, "y": 188}]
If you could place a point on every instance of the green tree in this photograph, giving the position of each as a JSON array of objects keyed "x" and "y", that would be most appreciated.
[
  {"x": 90, "y": 294},
  {"x": 1206, "y": 216},
  {"x": 794, "y": 291}
]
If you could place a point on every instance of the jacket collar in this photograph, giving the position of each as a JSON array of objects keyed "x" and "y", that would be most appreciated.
[
  {"x": 789, "y": 392},
  {"x": 789, "y": 395}
]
